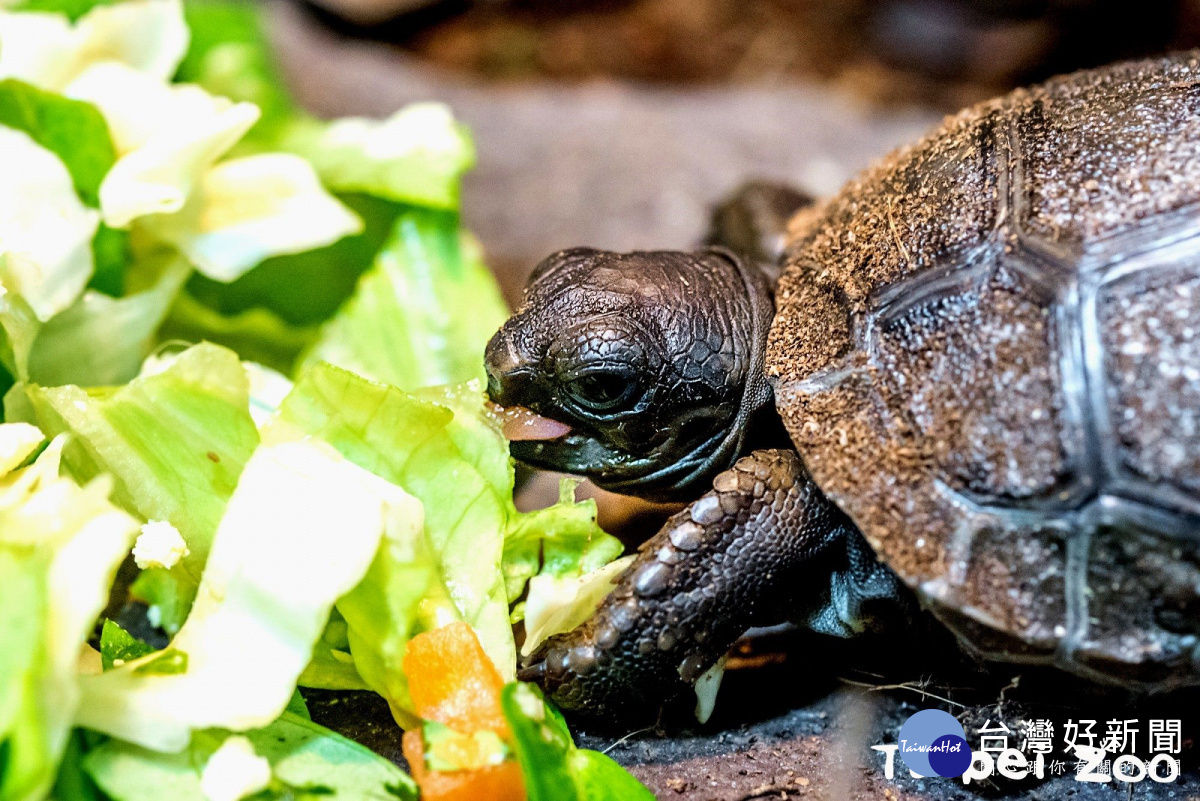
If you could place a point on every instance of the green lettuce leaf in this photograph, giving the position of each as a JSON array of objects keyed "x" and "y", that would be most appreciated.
[
  {"x": 272, "y": 578},
  {"x": 72, "y": 9},
  {"x": 76, "y": 132},
  {"x": 416, "y": 156},
  {"x": 554, "y": 769},
  {"x": 422, "y": 315},
  {"x": 102, "y": 340},
  {"x": 60, "y": 545},
  {"x": 307, "y": 761},
  {"x": 72, "y": 782},
  {"x": 70, "y": 129},
  {"x": 229, "y": 56},
  {"x": 117, "y": 646},
  {"x": 562, "y": 541},
  {"x": 408, "y": 442},
  {"x": 557, "y": 604},
  {"x": 305, "y": 288},
  {"x": 175, "y": 442},
  {"x": 258, "y": 334}
]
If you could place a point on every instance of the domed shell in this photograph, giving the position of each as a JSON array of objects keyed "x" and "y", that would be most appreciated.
[{"x": 987, "y": 350}]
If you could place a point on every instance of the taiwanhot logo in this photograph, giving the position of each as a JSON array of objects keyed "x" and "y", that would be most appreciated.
[{"x": 933, "y": 743}]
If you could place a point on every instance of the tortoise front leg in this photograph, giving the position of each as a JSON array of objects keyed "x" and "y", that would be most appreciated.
[{"x": 763, "y": 546}]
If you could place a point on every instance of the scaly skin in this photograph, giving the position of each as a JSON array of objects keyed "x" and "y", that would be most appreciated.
[
  {"x": 728, "y": 562},
  {"x": 655, "y": 361}
]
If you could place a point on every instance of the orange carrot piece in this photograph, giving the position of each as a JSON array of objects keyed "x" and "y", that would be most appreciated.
[
  {"x": 452, "y": 681},
  {"x": 493, "y": 783}
]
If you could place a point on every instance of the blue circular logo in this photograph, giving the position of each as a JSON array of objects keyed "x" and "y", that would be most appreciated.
[{"x": 933, "y": 743}]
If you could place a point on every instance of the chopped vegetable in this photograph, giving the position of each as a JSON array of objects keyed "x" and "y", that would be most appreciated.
[
  {"x": 262, "y": 603},
  {"x": 450, "y": 572},
  {"x": 558, "y": 604},
  {"x": 422, "y": 314},
  {"x": 453, "y": 683},
  {"x": 118, "y": 646},
  {"x": 416, "y": 156},
  {"x": 175, "y": 441},
  {"x": 60, "y": 545},
  {"x": 234, "y": 771},
  {"x": 159, "y": 545},
  {"x": 554, "y": 769},
  {"x": 306, "y": 760},
  {"x": 345, "y": 525}
]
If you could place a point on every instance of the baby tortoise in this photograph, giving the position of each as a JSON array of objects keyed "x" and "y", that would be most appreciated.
[{"x": 986, "y": 354}]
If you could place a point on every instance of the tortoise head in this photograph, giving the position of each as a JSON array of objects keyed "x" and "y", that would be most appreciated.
[{"x": 653, "y": 359}]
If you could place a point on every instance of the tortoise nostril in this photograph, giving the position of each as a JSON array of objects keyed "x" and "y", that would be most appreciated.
[{"x": 500, "y": 361}]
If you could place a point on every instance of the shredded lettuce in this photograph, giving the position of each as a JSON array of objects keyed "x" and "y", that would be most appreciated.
[
  {"x": 229, "y": 56},
  {"x": 52, "y": 42},
  {"x": 117, "y": 646},
  {"x": 416, "y": 156},
  {"x": 158, "y": 183},
  {"x": 70, "y": 129},
  {"x": 258, "y": 334},
  {"x": 557, "y": 604},
  {"x": 60, "y": 545},
  {"x": 175, "y": 441},
  {"x": 554, "y": 769},
  {"x": 422, "y": 314},
  {"x": 45, "y": 229},
  {"x": 407, "y": 441},
  {"x": 271, "y": 580},
  {"x": 102, "y": 340},
  {"x": 306, "y": 760},
  {"x": 562, "y": 541}
]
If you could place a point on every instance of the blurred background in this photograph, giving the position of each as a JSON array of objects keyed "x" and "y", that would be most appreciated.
[{"x": 618, "y": 123}]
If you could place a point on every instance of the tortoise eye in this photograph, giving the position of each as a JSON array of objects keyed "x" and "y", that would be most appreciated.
[{"x": 602, "y": 390}]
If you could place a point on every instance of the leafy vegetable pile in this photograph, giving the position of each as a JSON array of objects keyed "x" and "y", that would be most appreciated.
[{"x": 314, "y": 495}]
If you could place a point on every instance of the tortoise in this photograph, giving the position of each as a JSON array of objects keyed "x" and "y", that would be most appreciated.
[{"x": 985, "y": 356}]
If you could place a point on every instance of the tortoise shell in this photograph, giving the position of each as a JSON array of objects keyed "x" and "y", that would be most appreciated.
[{"x": 987, "y": 350}]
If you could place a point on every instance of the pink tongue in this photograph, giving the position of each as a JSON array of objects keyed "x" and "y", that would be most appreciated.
[{"x": 520, "y": 423}]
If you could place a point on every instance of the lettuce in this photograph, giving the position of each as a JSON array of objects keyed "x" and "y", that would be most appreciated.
[
  {"x": 283, "y": 285},
  {"x": 60, "y": 545},
  {"x": 554, "y": 769},
  {"x": 557, "y": 604},
  {"x": 271, "y": 580},
  {"x": 229, "y": 56},
  {"x": 306, "y": 760},
  {"x": 70, "y": 129},
  {"x": 53, "y": 45},
  {"x": 102, "y": 340},
  {"x": 45, "y": 229},
  {"x": 416, "y": 156},
  {"x": 258, "y": 335},
  {"x": 562, "y": 541},
  {"x": 442, "y": 448},
  {"x": 175, "y": 442},
  {"x": 246, "y": 210},
  {"x": 422, "y": 315},
  {"x": 408, "y": 442}
]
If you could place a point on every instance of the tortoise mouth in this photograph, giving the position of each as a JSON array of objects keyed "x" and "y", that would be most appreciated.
[{"x": 521, "y": 424}]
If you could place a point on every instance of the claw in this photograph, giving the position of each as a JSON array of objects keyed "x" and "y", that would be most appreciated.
[{"x": 535, "y": 673}]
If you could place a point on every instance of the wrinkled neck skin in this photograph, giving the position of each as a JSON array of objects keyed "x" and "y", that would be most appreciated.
[
  {"x": 680, "y": 337},
  {"x": 753, "y": 424}
]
